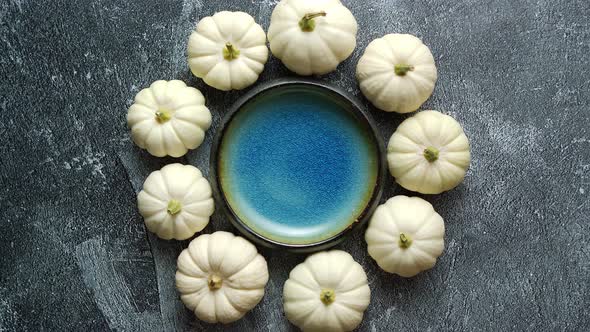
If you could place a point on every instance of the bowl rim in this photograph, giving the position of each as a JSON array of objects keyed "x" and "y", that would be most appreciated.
[{"x": 219, "y": 196}]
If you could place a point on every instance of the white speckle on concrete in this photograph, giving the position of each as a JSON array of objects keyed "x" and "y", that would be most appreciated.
[
  {"x": 582, "y": 191},
  {"x": 184, "y": 27},
  {"x": 373, "y": 327},
  {"x": 8, "y": 315},
  {"x": 78, "y": 124},
  {"x": 514, "y": 139},
  {"x": 583, "y": 171},
  {"x": 388, "y": 312},
  {"x": 269, "y": 3},
  {"x": 47, "y": 160},
  {"x": 91, "y": 160},
  {"x": 88, "y": 75},
  {"x": 94, "y": 161},
  {"x": 19, "y": 5},
  {"x": 580, "y": 140}
]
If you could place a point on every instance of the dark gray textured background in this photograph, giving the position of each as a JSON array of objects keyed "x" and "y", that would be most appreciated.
[{"x": 74, "y": 253}]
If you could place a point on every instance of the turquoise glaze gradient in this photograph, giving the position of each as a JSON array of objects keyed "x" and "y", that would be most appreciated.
[{"x": 296, "y": 166}]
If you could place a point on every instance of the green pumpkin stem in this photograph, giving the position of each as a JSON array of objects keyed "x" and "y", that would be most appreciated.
[
  {"x": 327, "y": 296},
  {"x": 404, "y": 240},
  {"x": 174, "y": 207},
  {"x": 214, "y": 282},
  {"x": 401, "y": 69},
  {"x": 431, "y": 154},
  {"x": 307, "y": 24},
  {"x": 230, "y": 52},
  {"x": 162, "y": 116}
]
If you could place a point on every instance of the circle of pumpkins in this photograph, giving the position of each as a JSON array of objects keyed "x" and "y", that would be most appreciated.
[{"x": 220, "y": 276}]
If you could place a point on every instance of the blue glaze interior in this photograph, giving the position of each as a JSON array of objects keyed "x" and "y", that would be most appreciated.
[{"x": 296, "y": 165}]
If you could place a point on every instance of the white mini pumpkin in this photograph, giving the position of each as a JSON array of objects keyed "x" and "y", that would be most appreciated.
[
  {"x": 428, "y": 153},
  {"x": 327, "y": 292},
  {"x": 397, "y": 73},
  {"x": 221, "y": 277},
  {"x": 227, "y": 50},
  {"x": 405, "y": 235},
  {"x": 312, "y": 36},
  {"x": 176, "y": 202},
  {"x": 168, "y": 118}
]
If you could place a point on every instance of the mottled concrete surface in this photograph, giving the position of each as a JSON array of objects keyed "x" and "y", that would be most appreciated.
[{"x": 74, "y": 253}]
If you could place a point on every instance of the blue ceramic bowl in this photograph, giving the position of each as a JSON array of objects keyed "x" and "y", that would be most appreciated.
[{"x": 297, "y": 164}]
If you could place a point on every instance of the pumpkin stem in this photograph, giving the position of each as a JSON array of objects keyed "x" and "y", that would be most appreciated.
[
  {"x": 401, "y": 69},
  {"x": 327, "y": 296},
  {"x": 162, "y": 116},
  {"x": 214, "y": 282},
  {"x": 404, "y": 240},
  {"x": 307, "y": 23},
  {"x": 230, "y": 52},
  {"x": 431, "y": 154},
  {"x": 174, "y": 207}
]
